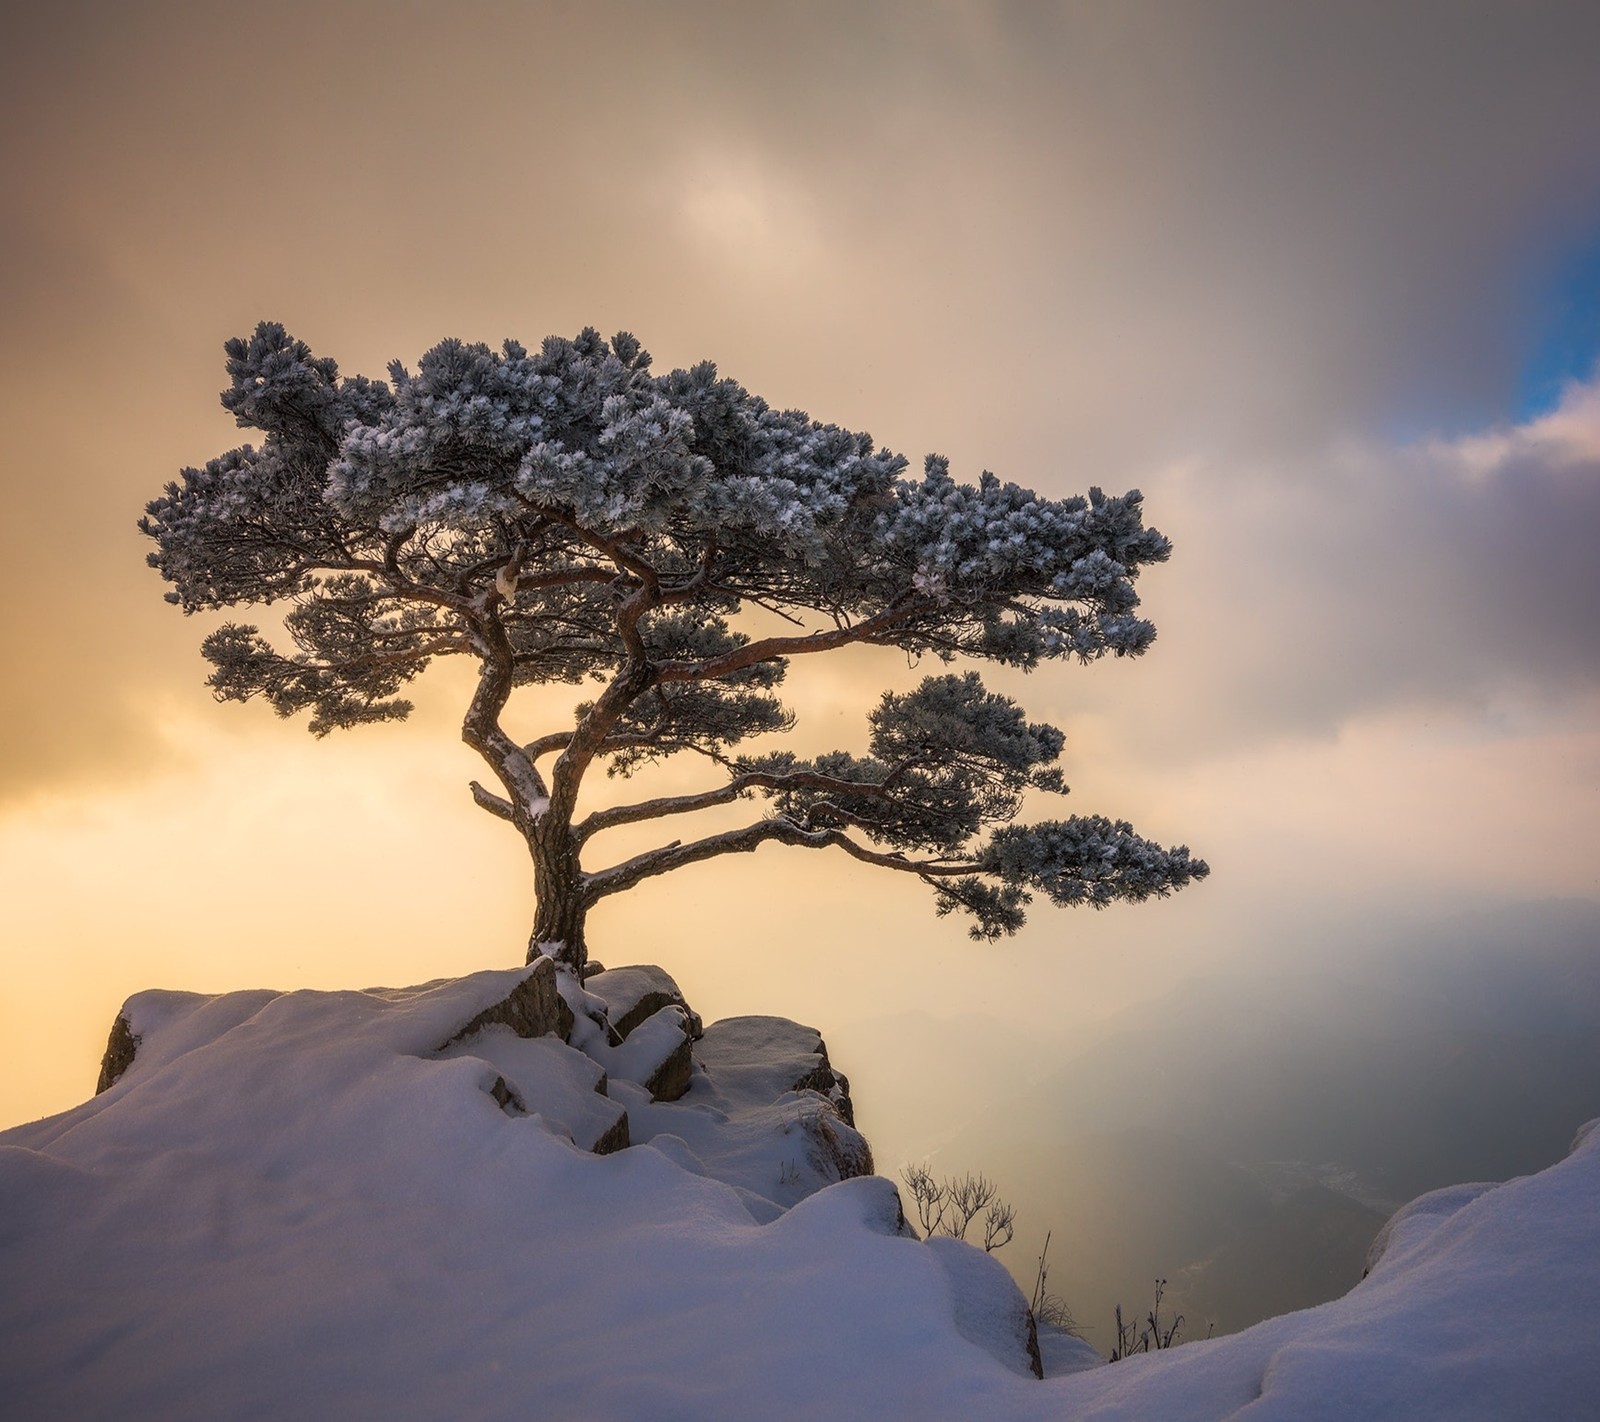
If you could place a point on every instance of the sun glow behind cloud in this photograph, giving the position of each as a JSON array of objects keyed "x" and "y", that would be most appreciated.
[{"x": 744, "y": 212}]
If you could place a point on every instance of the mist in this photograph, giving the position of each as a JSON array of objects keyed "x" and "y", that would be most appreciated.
[{"x": 1244, "y": 1134}]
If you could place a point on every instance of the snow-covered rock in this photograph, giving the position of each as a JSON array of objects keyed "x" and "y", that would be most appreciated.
[
  {"x": 655, "y": 1054},
  {"x": 765, "y": 1132},
  {"x": 545, "y": 1076},
  {"x": 533, "y": 1008},
  {"x": 758, "y": 1058},
  {"x": 635, "y": 993}
]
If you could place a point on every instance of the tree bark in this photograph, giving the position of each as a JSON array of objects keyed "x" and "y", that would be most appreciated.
[
  {"x": 546, "y": 828},
  {"x": 559, "y": 904}
]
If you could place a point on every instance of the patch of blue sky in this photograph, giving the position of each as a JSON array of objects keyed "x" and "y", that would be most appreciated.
[
  {"x": 1565, "y": 333},
  {"x": 1552, "y": 340}
]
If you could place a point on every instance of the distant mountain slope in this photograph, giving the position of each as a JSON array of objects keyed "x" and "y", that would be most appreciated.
[
  {"x": 1300, "y": 1253},
  {"x": 1468, "y": 1054}
]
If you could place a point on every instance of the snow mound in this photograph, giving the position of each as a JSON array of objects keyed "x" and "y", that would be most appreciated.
[
  {"x": 303, "y": 1204},
  {"x": 988, "y": 1308},
  {"x": 300, "y": 1205},
  {"x": 567, "y": 1089}
]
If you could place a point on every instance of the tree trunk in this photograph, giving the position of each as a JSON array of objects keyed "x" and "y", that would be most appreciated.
[{"x": 559, "y": 906}]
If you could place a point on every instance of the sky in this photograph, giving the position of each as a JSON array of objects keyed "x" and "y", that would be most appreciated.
[{"x": 1323, "y": 281}]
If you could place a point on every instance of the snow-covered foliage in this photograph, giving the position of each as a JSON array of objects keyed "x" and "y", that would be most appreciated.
[
  {"x": 568, "y": 514},
  {"x": 292, "y": 1205}
]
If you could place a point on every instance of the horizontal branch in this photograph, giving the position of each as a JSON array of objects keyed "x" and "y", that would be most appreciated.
[
  {"x": 751, "y": 837},
  {"x": 558, "y": 740},
  {"x": 613, "y": 548},
  {"x": 399, "y": 585},
  {"x": 656, "y": 809},
  {"x": 567, "y": 577},
  {"x": 442, "y": 647}
]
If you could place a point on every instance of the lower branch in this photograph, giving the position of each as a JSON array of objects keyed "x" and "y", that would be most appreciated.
[{"x": 751, "y": 837}]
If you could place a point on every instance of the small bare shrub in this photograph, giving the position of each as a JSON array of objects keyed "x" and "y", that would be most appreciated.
[
  {"x": 1048, "y": 1308},
  {"x": 949, "y": 1206},
  {"x": 1131, "y": 1338}
]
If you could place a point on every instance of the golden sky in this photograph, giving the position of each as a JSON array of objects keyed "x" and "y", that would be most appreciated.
[{"x": 1321, "y": 281}]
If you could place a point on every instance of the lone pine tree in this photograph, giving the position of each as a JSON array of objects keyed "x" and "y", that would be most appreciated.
[{"x": 568, "y": 515}]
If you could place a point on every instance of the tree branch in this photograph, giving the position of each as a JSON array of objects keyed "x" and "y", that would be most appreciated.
[
  {"x": 612, "y": 816},
  {"x": 611, "y": 547},
  {"x": 656, "y": 809},
  {"x": 751, "y": 837},
  {"x": 770, "y": 649},
  {"x": 494, "y": 804},
  {"x": 635, "y": 676},
  {"x": 481, "y": 729}
]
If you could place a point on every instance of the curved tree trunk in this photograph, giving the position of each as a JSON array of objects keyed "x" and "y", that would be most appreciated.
[
  {"x": 546, "y": 830},
  {"x": 559, "y": 906}
]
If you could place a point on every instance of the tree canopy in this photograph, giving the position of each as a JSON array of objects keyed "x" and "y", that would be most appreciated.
[{"x": 567, "y": 515}]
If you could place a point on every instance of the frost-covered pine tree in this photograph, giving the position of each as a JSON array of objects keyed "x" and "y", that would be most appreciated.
[{"x": 570, "y": 516}]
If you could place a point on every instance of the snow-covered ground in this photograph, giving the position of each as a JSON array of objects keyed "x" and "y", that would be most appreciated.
[{"x": 296, "y": 1205}]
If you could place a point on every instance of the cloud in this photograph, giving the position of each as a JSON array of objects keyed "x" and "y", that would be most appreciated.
[
  {"x": 1568, "y": 437},
  {"x": 1071, "y": 243},
  {"x": 1453, "y": 574}
]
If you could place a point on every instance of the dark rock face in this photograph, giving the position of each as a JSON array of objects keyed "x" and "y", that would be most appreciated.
[
  {"x": 507, "y": 1098},
  {"x": 532, "y": 1009},
  {"x": 657, "y": 1054},
  {"x": 616, "y": 1138},
  {"x": 834, "y": 1084},
  {"x": 836, "y": 1142},
  {"x": 119, "y": 1054},
  {"x": 671, "y": 1079}
]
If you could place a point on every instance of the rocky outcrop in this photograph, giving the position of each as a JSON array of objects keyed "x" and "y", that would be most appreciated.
[
  {"x": 555, "y": 1045},
  {"x": 836, "y": 1145},
  {"x": 119, "y": 1054},
  {"x": 770, "y": 1055},
  {"x": 534, "y": 1008},
  {"x": 533, "y": 1069},
  {"x": 632, "y": 995},
  {"x": 572, "y": 1052},
  {"x": 753, "y": 1120},
  {"x": 656, "y": 1054},
  {"x": 752, "y": 1103}
]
